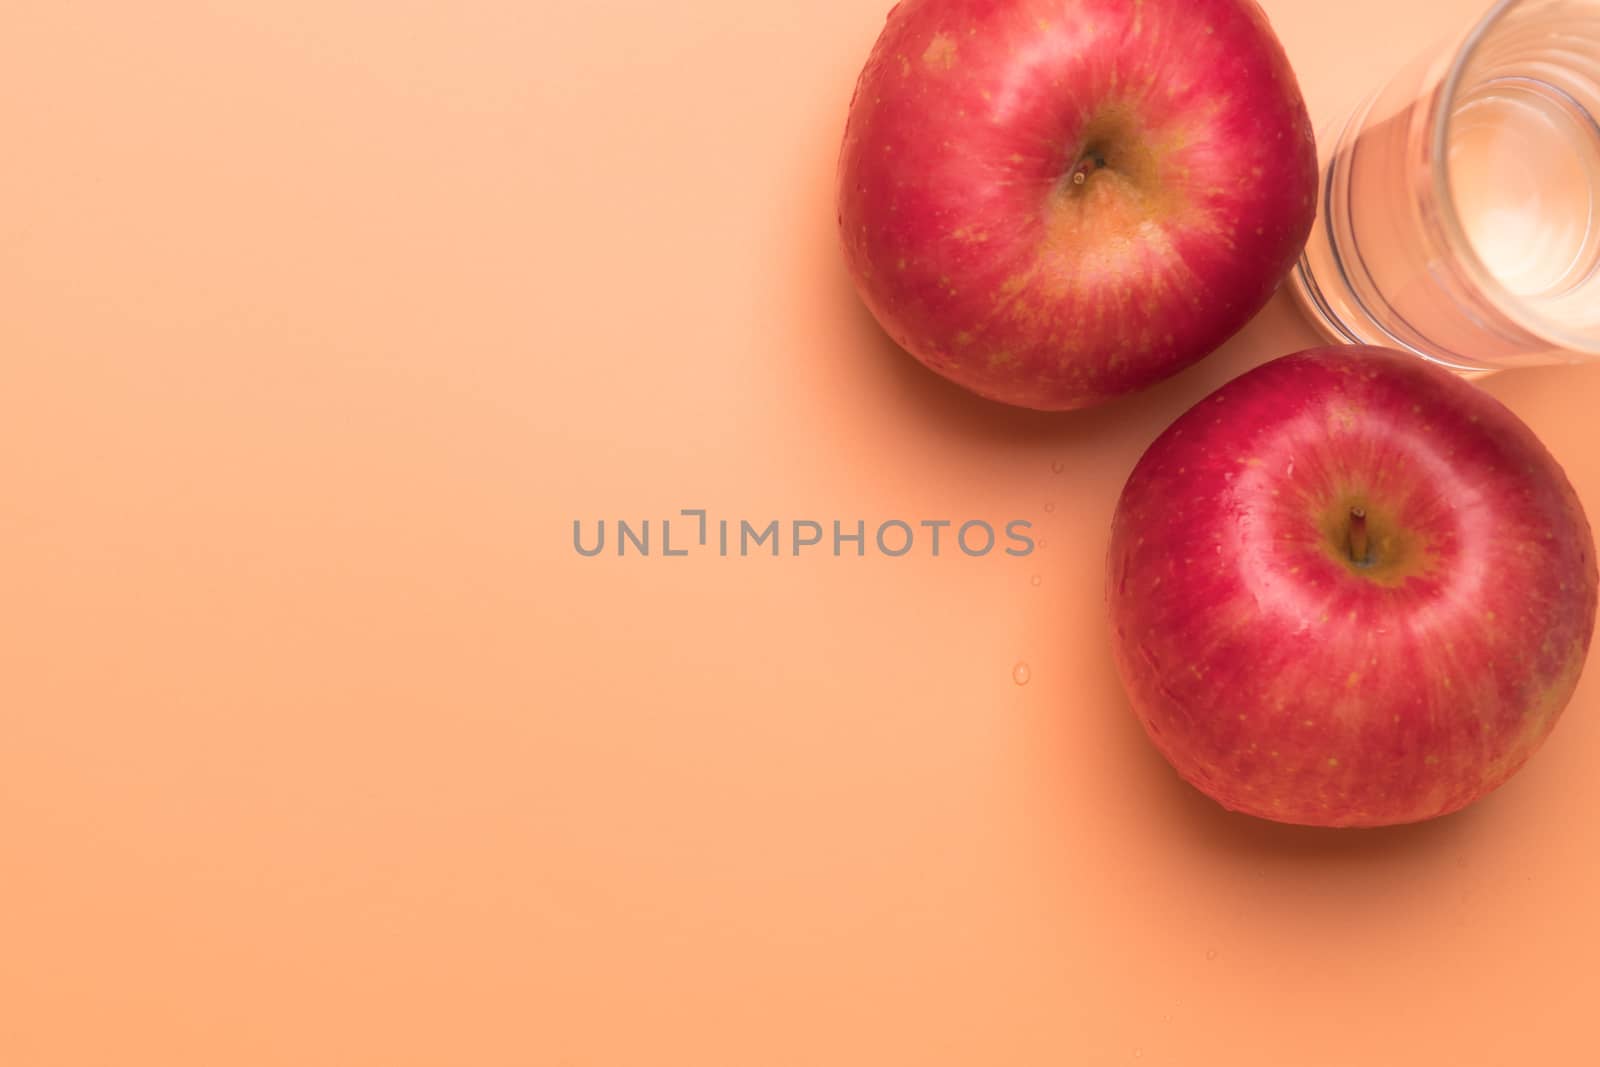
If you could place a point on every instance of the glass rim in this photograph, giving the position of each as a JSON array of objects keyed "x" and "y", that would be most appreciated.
[{"x": 1513, "y": 306}]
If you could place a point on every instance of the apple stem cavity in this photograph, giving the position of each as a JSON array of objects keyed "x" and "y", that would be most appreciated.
[{"x": 1360, "y": 546}]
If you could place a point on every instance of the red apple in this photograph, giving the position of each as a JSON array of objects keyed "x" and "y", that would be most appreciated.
[
  {"x": 1054, "y": 202},
  {"x": 1349, "y": 589}
]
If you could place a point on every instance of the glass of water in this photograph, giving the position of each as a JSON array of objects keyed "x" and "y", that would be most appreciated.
[{"x": 1459, "y": 211}]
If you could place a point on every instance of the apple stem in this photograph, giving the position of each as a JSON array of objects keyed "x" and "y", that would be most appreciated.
[
  {"x": 1360, "y": 547},
  {"x": 1080, "y": 173}
]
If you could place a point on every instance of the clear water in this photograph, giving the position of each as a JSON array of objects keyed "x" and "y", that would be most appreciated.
[
  {"x": 1522, "y": 161},
  {"x": 1524, "y": 170}
]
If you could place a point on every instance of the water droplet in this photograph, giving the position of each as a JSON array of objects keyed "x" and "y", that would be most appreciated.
[
  {"x": 1137, "y": 1053},
  {"x": 1057, "y": 467},
  {"x": 1021, "y": 673},
  {"x": 1039, "y": 543},
  {"x": 1211, "y": 953},
  {"x": 1049, "y": 507},
  {"x": 1035, "y": 580}
]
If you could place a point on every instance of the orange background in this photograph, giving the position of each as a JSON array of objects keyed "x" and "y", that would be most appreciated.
[{"x": 321, "y": 320}]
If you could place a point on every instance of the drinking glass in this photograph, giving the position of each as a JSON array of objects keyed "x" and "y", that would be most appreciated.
[{"x": 1459, "y": 208}]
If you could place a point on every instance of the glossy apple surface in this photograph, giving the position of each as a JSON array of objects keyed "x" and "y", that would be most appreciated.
[
  {"x": 1349, "y": 589},
  {"x": 1054, "y": 202}
]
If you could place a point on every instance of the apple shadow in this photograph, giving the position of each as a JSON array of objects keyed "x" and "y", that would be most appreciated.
[
  {"x": 1214, "y": 828},
  {"x": 1261, "y": 839},
  {"x": 906, "y": 381}
]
